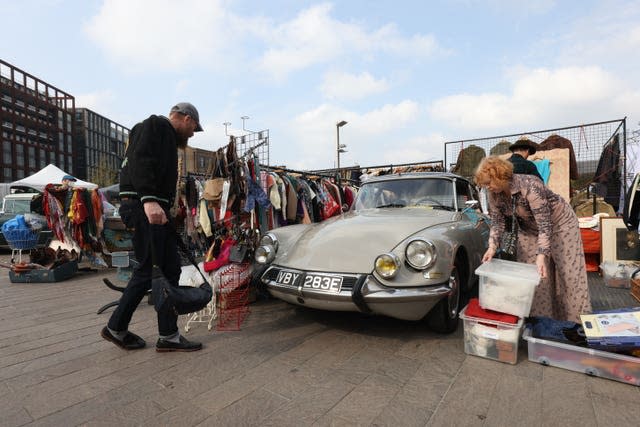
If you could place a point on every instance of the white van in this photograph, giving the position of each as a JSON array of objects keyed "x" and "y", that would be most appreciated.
[{"x": 20, "y": 204}]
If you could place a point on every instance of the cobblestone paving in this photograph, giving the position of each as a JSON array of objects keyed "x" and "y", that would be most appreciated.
[{"x": 286, "y": 366}]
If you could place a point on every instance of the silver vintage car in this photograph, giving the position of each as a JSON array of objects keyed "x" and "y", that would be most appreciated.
[{"x": 408, "y": 249}]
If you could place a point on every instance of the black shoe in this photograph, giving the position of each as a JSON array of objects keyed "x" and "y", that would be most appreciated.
[
  {"x": 130, "y": 341},
  {"x": 184, "y": 345}
]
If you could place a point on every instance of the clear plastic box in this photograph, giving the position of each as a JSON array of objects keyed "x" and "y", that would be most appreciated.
[
  {"x": 507, "y": 286},
  {"x": 617, "y": 275},
  {"x": 491, "y": 339},
  {"x": 604, "y": 364}
]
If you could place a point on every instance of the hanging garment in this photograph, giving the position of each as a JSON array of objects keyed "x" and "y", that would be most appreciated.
[
  {"x": 468, "y": 160},
  {"x": 608, "y": 172},
  {"x": 544, "y": 169},
  {"x": 501, "y": 147},
  {"x": 557, "y": 141}
]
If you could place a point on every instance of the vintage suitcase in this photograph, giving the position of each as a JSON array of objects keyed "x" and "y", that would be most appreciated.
[{"x": 45, "y": 275}]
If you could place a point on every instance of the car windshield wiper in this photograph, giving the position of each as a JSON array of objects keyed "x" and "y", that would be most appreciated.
[
  {"x": 443, "y": 207},
  {"x": 392, "y": 205}
]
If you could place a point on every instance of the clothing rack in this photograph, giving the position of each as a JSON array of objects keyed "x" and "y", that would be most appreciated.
[
  {"x": 434, "y": 163},
  {"x": 303, "y": 173}
]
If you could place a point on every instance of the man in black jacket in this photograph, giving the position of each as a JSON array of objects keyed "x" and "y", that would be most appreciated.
[
  {"x": 148, "y": 181},
  {"x": 522, "y": 149}
]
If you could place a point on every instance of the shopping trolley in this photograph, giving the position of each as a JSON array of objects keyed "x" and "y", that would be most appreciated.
[{"x": 20, "y": 239}]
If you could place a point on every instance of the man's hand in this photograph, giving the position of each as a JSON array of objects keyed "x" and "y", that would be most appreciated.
[{"x": 155, "y": 214}]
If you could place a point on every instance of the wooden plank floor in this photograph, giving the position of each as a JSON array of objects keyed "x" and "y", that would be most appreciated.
[{"x": 286, "y": 366}]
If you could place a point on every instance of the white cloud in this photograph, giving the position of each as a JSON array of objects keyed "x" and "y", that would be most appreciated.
[
  {"x": 540, "y": 97},
  {"x": 100, "y": 101},
  {"x": 345, "y": 86},
  {"x": 160, "y": 34},
  {"x": 314, "y": 37},
  {"x": 364, "y": 134},
  {"x": 168, "y": 35},
  {"x": 417, "y": 149}
]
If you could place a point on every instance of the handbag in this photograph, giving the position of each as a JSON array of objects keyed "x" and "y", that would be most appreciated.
[
  {"x": 509, "y": 241},
  {"x": 213, "y": 189},
  {"x": 179, "y": 299}
]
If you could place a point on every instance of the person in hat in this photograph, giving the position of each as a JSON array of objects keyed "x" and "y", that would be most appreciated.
[
  {"x": 548, "y": 237},
  {"x": 522, "y": 149},
  {"x": 148, "y": 179},
  {"x": 67, "y": 180}
]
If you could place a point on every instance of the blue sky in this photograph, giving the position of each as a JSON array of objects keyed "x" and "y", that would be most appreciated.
[{"x": 406, "y": 75}]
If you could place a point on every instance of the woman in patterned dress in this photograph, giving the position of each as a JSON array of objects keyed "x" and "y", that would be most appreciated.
[{"x": 548, "y": 236}]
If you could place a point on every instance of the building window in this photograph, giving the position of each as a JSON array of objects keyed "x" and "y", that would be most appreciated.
[
  {"x": 7, "y": 174},
  {"x": 6, "y": 152},
  {"x": 20, "y": 156},
  {"x": 31, "y": 158}
]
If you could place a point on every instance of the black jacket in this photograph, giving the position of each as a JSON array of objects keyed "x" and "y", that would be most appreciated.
[
  {"x": 150, "y": 167},
  {"x": 524, "y": 166}
]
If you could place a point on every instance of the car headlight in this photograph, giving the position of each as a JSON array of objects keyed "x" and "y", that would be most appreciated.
[
  {"x": 420, "y": 254},
  {"x": 264, "y": 254},
  {"x": 387, "y": 265},
  {"x": 269, "y": 239}
]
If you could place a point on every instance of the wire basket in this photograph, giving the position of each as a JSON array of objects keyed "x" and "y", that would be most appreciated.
[{"x": 21, "y": 238}]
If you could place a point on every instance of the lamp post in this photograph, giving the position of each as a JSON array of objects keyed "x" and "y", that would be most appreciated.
[{"x": 340, "y": 148}]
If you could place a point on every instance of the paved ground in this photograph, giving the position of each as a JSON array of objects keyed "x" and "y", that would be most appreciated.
[{"x": 286, "y": 366}]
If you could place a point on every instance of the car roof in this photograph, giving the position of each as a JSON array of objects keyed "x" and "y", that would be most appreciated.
[
  {"x": 415, "y": 175},
  {"x": 21, "y": 196}
]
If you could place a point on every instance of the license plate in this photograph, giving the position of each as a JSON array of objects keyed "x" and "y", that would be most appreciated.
[
  {"x": 322, "y": 282},
  {"x": 288, "y": 278}
]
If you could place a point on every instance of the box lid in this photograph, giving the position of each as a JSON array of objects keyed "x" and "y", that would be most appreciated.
[{"x": 508, "y": 270}]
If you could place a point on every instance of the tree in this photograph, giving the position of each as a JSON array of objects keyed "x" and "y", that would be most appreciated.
[{"x": 103, "y": 174}]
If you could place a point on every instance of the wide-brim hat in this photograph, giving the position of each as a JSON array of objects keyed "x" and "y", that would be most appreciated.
[{"x": 524, "y": 143}]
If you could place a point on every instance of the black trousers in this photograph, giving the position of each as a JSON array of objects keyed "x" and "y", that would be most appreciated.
[{"x": 149, "y": 241}]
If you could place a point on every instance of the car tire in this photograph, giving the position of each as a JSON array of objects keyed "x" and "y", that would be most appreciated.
[{"x": 443, "y": 318}]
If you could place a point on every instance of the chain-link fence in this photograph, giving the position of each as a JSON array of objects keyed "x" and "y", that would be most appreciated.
[{"x": 598, "y": 148}]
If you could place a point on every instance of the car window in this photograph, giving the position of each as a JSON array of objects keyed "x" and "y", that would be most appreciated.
[
  {"x": 17, "y": 206},
  {"x": 399, "y": 193}
]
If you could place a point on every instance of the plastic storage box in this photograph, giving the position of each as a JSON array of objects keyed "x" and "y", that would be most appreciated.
[
  {"x": 507, "y": 286},
  {"x": 617, "y": 275},
  {"x": 491, "y": 339},
  {"x": 598, "y": 363}
]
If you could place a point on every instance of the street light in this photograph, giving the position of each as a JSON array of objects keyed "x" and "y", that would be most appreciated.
[
  {"x": 226, "y": 125},
  {"x": 340, "y": 148}
]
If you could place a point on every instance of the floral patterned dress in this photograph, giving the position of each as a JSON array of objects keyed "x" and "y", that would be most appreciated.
[{"x": 547, "y": 225}]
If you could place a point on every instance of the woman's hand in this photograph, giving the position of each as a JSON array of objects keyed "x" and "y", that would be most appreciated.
[
  {"x": 541, "y": 263},
  {"x": 489, "y": 254}
]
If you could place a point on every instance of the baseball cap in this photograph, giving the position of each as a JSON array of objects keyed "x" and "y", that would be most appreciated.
[
  {"x": 69, "y": 177},
  {"x": 188, "y": 109}
]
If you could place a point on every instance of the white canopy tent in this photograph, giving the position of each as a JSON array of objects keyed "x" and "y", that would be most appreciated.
[{"x": 50, "y": 174}]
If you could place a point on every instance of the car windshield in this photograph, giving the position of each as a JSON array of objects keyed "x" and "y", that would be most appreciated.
[
  {"x": 17, "y": 206},
  {"x": 399, "y": 193}
]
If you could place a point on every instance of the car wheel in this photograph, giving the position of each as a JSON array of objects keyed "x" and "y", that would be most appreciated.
[{"x": 443, "y": 318}]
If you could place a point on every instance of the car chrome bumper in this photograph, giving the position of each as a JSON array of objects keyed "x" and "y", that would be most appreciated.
[{"x": 368, "y": 296}]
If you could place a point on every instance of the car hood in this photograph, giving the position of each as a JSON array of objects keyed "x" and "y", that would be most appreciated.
[{"x": 351, "y": 242}]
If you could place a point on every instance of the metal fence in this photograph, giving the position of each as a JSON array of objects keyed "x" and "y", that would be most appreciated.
[{"x": 588, "y": 141}]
